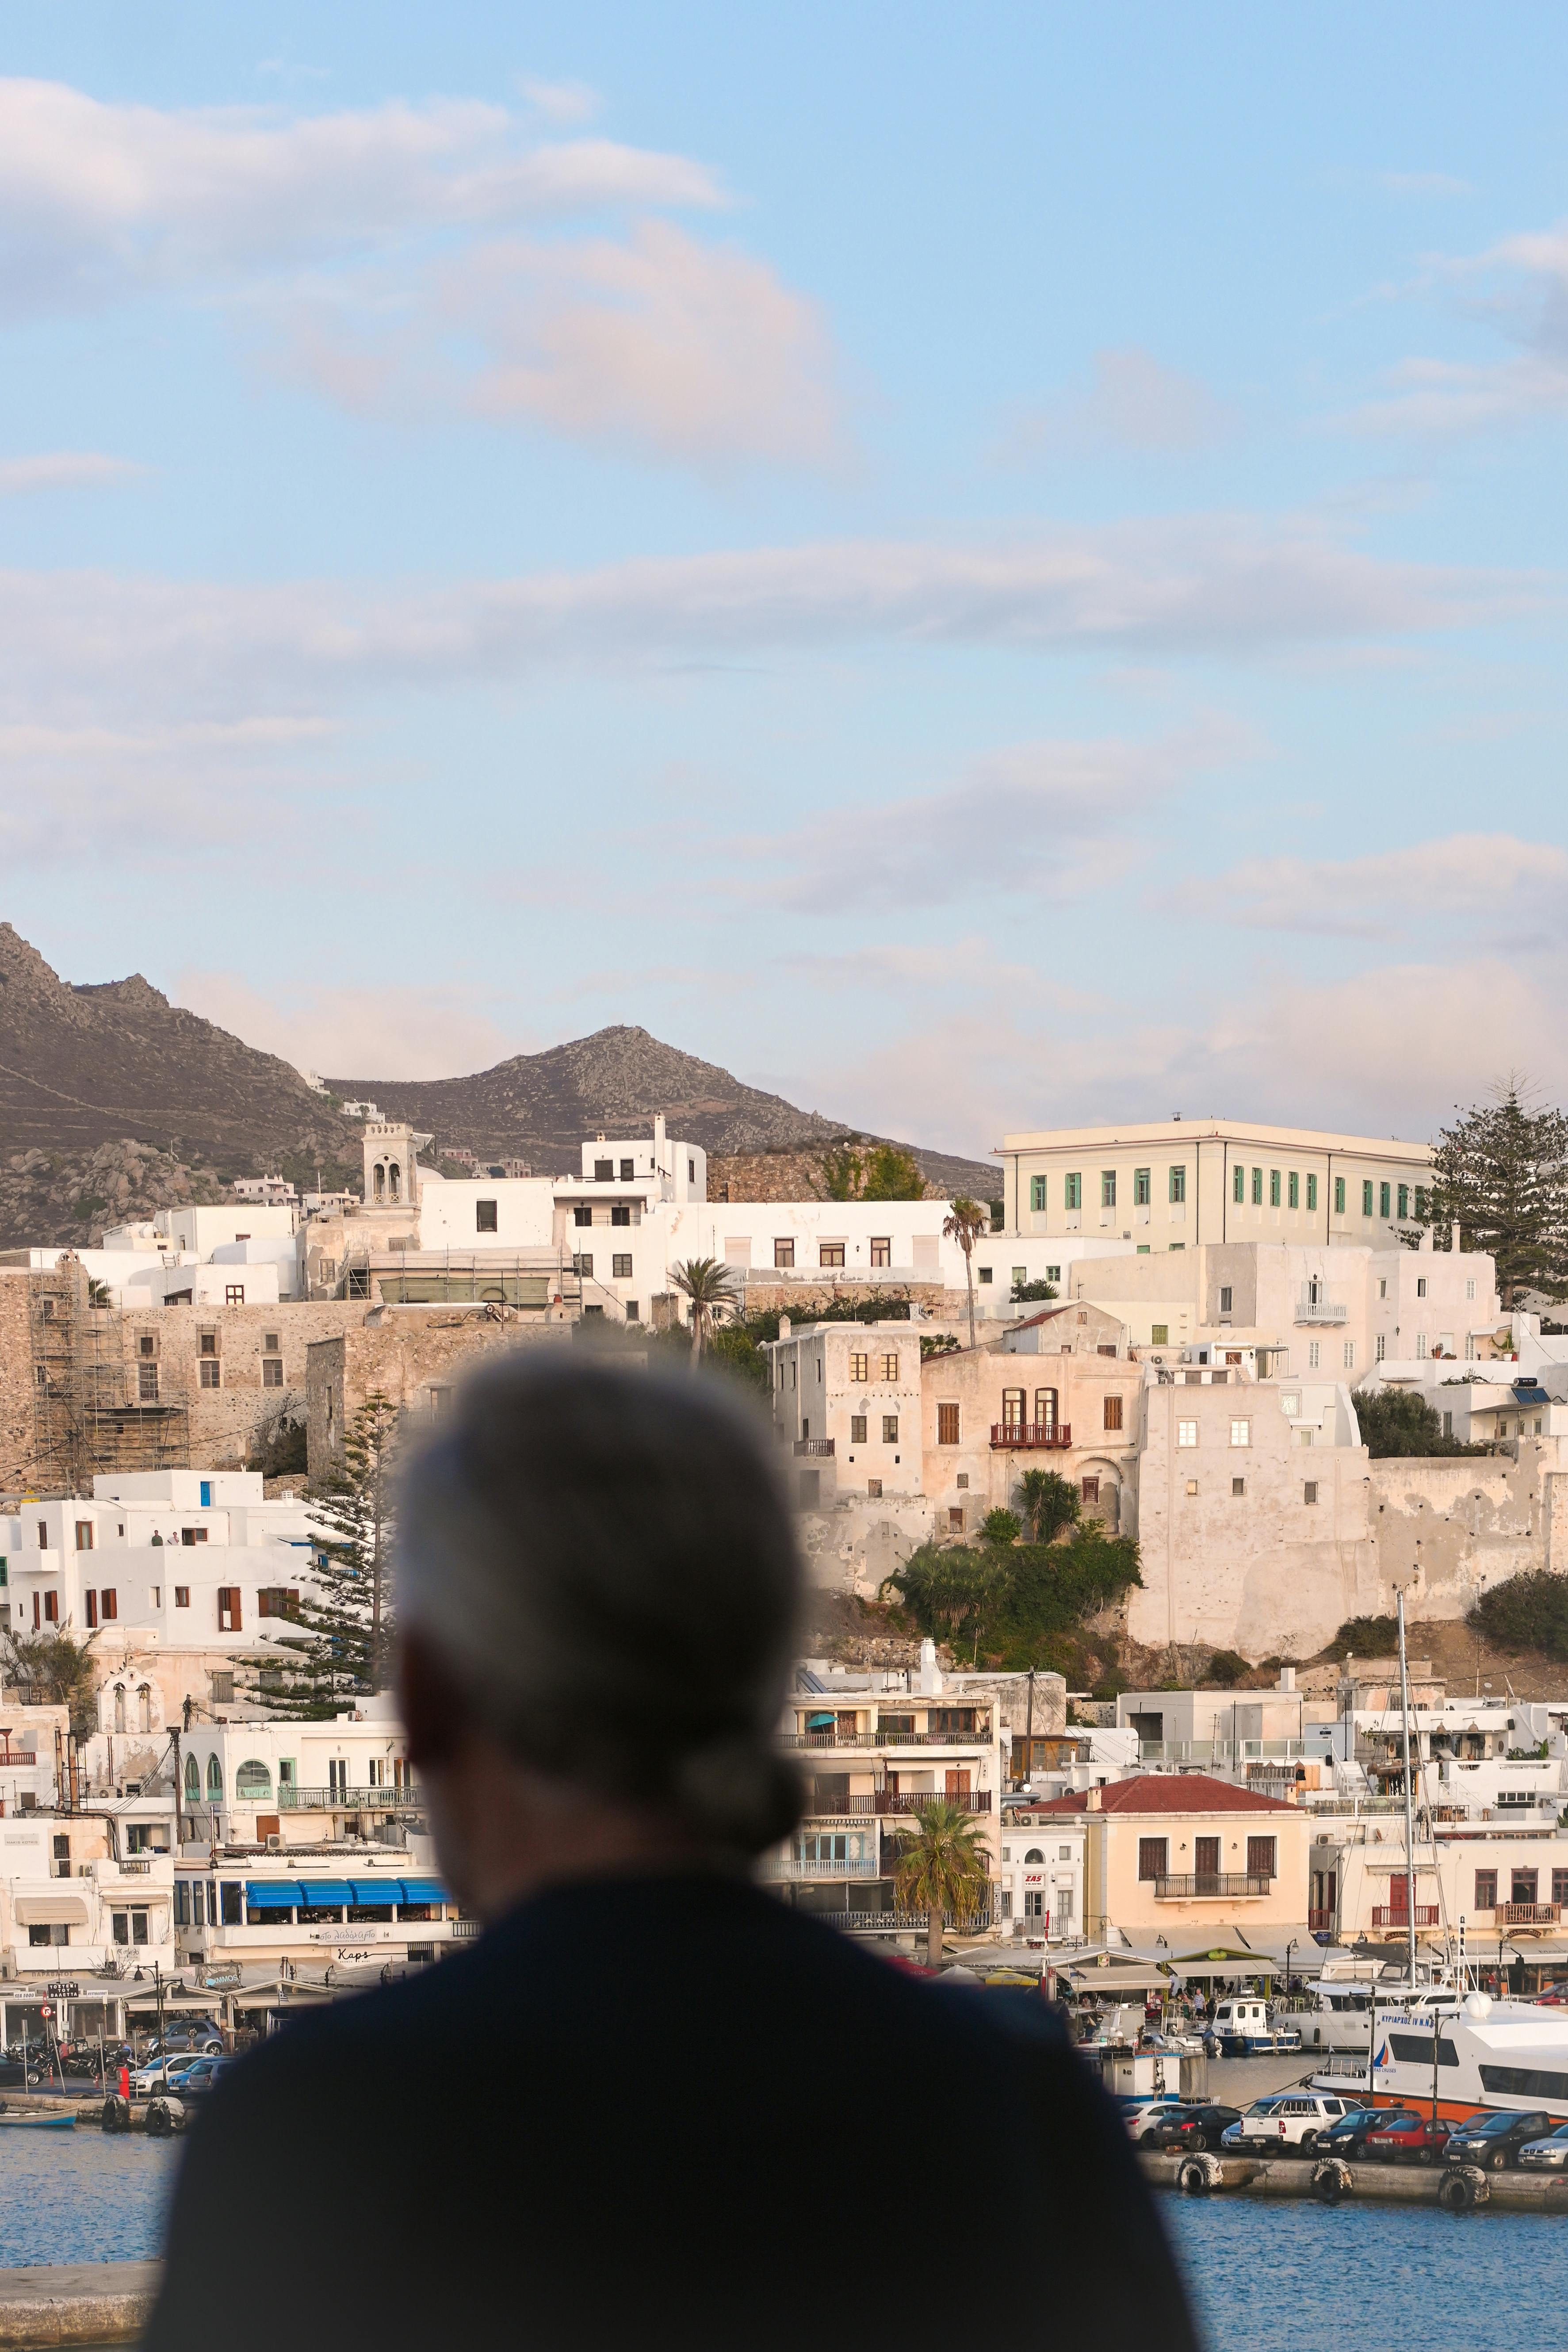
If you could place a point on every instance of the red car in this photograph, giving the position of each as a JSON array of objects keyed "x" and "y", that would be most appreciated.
[{"x": 1403, "y": 2137}]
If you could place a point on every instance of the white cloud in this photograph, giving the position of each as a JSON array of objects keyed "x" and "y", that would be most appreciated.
[
  {"x": 1488, "y": 882},
  {"x": 97, "y": 200},
  {"x": 696, "y": 351},
  {"x": 63, "y": 469},
  {"x": 1050, "y": 820},
  {"x": 1530, "y": 305},
  {"x": 563, "y": 101},
  {"x": 79, "y": 647},
  {"x": 1134, "y": 402},
  {"x": 76, "y": 792},
  {"x": 392, "y": 1032}
]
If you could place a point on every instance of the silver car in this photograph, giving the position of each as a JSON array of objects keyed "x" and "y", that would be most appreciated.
[{"x": 1548, "y": 2155}]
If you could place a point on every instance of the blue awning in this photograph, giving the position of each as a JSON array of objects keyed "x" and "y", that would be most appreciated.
[
  {"x": 324, "y": 1894},
  {"x": 271, "y": 1894},
  {"x": 381, "y": 1891},
  {"x": 423, "y": 1890}
]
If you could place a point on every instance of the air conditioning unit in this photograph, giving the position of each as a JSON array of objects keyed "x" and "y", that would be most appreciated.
[{"x": 274, "y": 1843}]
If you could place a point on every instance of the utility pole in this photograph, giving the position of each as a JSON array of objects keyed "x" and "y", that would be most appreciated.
[
  {"x": 1409, "y": 1801},
  {"x": 179, "y": 1826},
  {"x": 1029, "y": 1732}
]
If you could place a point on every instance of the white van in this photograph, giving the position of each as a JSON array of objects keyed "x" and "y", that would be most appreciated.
[{"x": 1287, "y": 2119}]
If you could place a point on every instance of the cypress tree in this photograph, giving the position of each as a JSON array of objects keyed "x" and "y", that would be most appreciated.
[{"x": 1501, "y": 1173}]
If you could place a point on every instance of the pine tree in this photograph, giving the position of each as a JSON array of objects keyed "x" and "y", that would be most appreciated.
[
  {"x": 347, "y": 1616},
  {"x": 1500, "y": 1173}
]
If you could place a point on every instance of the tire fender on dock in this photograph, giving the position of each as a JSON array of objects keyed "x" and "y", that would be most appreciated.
[
  {"x": 1199, "y": 2174},
  {"x": 1464, "y": 2189},
  {"x": 116, "y": 2115},
  {"x": 1332, "y": 2180}
]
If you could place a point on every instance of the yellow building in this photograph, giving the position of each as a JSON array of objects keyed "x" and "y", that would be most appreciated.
[{"x": 1176, "y": 1855}]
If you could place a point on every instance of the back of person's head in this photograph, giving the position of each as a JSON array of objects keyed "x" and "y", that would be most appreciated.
[{"x": 605, "y": 1557}]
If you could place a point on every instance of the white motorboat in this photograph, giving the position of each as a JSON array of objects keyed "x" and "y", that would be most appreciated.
[{"x": 1474, "y": 2053}]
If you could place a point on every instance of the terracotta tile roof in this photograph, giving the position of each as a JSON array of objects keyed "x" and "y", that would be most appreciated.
[{"x": 1168, "y": 1792}]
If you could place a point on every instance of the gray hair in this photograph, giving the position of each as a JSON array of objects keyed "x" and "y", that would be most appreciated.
[{"x": 606, "y": 1556}]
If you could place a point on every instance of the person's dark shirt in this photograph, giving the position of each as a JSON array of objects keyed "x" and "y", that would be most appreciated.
[{"x": 664, "y": 2111}]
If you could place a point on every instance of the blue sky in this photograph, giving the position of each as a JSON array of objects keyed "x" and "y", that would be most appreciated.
[{"x": 983, "y": 568}]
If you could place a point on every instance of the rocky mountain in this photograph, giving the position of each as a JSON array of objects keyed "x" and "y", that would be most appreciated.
[
  {"x": 539, "y": 1107},
  {"x": 114, "y": 1102}
]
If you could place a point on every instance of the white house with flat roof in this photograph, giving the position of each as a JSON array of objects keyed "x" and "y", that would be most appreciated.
[{"x": 185, "y": 1559}]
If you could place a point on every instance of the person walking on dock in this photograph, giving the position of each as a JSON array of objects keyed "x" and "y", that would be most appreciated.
[{"x": 649, "y": 2105}]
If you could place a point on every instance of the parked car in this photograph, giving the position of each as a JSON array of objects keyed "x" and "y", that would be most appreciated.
[
  {"x": 1549, "y": 2154},
  {"x": 1403, "y": 2137},
  {"x": 1295, "y": 2119},
  {"x": 159, "y": 2077},
  {"x": 1195, "y": 2127},
  {"x": 1348, "y": 2137},
  {"x": 1495, "y": 2141},
  {"x": 194, "y": 2041},
  {"x": 11, "y": 2078},
  {"x": 198, "y": 2076},
  {"x": 1140, "y": 2115}
]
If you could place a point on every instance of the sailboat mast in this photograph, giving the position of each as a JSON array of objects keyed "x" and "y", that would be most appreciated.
[{"x": 1409, "y": 1802}]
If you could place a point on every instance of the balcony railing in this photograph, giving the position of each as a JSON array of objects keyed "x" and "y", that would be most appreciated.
[
  {"x": 291, "y": 1799},
  {"x": 1526, "y": 1915},
  {"x": 797, "y": 1867},
  {"x": 814, "y": 1444},
  {"x": 1318, "y": 1921},
  {"x": 884, "y": 1801},
  {"x": 1389, "y": 1915},
  {"x": 461, "y": 1930},
  {"x": 1030, "y": 1436},
  {"x": 1319, "y": 1310},
  {"x": 1199, "y": 1884},
  {"x": 979, "y": 1737}
]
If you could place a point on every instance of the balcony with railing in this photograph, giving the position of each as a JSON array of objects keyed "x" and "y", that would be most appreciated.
[
  {"x": 1318, "y": 1309},
  {"x": 1526, "y": 1915},
  {"x": 814, "y": 1444},
  {"x": 1391, "y": 1915},
  {"x": 294, "y": 1799},
  {"x": 1320, "y": 1923},
  {"x": 1199, "y": 1886},
  {"x": 952, "y": 1737},
  {"x": 881, "y": 1804},
  {"x": 1030, "y": 1436}
]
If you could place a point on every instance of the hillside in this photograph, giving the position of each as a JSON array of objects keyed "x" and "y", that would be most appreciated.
[
  {"x": 538, "y": 1107},
  {"x": 114, "y": 1102}
]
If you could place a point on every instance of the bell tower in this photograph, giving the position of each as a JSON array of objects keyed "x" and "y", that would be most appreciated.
[{"x": 392, "y": 1164}]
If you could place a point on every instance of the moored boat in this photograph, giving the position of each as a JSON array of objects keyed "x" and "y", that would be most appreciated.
[{"x": 1466, "y": 2054}]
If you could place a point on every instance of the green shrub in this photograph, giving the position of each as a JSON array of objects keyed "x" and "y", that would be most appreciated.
[
  {"x": 1526, "y": 1612},
  {"x": 1227, "y": 1667},
  {"x": 1399, "y": 1421},
  {"x": 1366, "y": 1637}
]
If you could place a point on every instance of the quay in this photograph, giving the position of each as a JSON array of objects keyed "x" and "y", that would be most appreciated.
[
  {"x": 76, "y": 2302},
  {"x": 1335, "y": 2181}
]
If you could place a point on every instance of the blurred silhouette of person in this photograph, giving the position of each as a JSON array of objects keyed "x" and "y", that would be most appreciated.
[{"x": 650, "y": 2104}]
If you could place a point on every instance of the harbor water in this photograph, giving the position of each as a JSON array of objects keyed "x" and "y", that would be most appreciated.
[
  {"x": 1301, "y": 2277},
  {"x": 1279, "y": 2277}
]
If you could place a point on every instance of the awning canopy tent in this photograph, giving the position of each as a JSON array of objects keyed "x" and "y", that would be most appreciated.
[
  {"x": 1114, "y": 1983},
  {"x": 1223, "y": 1958},
  {"x": 51, "y": 1910},
  {"x": 338, "y": 1894}
]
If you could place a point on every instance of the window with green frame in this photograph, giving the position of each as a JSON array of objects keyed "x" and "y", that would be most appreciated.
[
  {"x": 1338, "y": 1196},
  {"x": 1073, "y": 1197},
  {"x": 1384, "y": 1200},
  {"x": 1366, "y": 1197},
  {"x": 1274, "y": 1188},
  {"x": 1108, "y": 1187},
  {"x": 1238, "y": 1184},
  {"x": 1037, "y": 1193},
  {"x": 1404, "y": 1201},
  {"x": 1178, "y": 1183},
  {"x": 1258, "y": 1188},
  {"x": 1293, "y": 1191},
  {"x": 1422, "y": 1198},
  {"x": 1311, "y": 1192},
  {"x": 1142, "y": 1190}
]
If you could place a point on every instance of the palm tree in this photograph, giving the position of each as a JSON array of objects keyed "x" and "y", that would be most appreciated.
[
  {"x": 942, "y": 1868},
  {"x": 1049, "y": 1503},
  {"x": 964, "y": 1224},
  {"x": 708, "y": 1284}
]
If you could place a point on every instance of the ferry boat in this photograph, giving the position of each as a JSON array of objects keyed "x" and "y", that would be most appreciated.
[
  {"x": 1243, "y": 2029},
  {"x": 1489, "y": 2054}
]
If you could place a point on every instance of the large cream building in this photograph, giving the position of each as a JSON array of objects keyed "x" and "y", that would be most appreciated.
[{"x": 1177, "y": 1182}]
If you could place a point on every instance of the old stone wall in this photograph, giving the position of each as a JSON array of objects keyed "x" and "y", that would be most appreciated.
[
  {"x": 1445, "y": 1529},
  {"x": 853, "y": 1546},
  {"x": 402, "y": 1352}
]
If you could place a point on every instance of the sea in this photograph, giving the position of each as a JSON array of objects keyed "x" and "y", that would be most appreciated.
[{"x": 1276, "y": 2277}]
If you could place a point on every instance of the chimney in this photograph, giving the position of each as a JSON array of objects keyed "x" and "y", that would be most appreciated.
[
  {"x": 1091, "y": 1798},
  {"x": 783, "y": 1327},
  {"x": 1287, "y": 1678}
]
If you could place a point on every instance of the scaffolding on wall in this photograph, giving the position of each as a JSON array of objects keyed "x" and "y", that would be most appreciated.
[{"x": 87, "y": 1417}]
